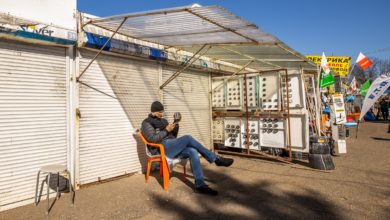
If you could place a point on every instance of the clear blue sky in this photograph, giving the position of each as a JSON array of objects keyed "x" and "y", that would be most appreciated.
[{"x": 336, "y": 27}]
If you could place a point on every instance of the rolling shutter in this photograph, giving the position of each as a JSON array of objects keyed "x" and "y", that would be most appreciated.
[
  {"x": 189, "y": 94},
  {"x": 33, "y": 117},
  {"x": 114, "y": 100}
]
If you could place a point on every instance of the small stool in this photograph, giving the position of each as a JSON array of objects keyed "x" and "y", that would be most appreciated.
[{"x": 53, "y": 169}]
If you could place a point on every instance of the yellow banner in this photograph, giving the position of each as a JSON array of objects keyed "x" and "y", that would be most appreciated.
[{"x": 338, "y": 64}]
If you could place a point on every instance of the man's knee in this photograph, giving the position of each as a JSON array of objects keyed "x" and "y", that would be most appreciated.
[
  {"x": 193, "y": 152},
  {"x": 187, "y": 138}
]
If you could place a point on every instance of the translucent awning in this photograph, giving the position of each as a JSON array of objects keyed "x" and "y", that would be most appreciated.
[{"x": 231, "y": 38}]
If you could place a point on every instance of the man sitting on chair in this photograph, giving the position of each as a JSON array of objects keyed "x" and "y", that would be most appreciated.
[{"x": 156, "y": 129}]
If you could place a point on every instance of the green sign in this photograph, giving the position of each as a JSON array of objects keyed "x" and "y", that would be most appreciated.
[{"x": 326, "y": 79}]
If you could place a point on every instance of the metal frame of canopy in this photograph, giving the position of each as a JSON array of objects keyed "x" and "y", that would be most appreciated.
[
  {"x": 211, "y": 32},
  {"x": 194, "y": 28}
]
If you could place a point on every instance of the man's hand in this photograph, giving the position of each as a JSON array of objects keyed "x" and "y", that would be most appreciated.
[{"x": 170, "y": 127}]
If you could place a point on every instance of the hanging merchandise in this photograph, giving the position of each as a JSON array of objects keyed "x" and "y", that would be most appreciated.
[
  {"x": 326, "y": 75},
  {"x": 352, "y": 87},
  {"x": 339, "y": 110}
]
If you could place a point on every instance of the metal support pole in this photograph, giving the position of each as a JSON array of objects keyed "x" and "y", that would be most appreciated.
[
  {"x": 101, "y": 49},
  {"x": 247, "y": 114},
  {"x": 288, "y": 116},
  {"x": 186, "y": 66}
]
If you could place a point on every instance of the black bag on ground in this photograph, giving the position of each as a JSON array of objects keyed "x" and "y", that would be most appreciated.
[
  {"x": 321, "y": 161},
  {"x": 319, "y": 148}
]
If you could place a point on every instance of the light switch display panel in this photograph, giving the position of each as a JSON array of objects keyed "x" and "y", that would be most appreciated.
[
  {"x": 269, "y": 92},
  {"x": 234, "y": 93},
  {"x": 253, "y": 134},
  {"x": 294, "y": 98},
  {"x": 251, "y": 89},
  {"x": 272, "y": 132},
  {"x": 232, "y": 132},
  {"x": 218, "y": 129},
  {"x": 218, "y": 93}
]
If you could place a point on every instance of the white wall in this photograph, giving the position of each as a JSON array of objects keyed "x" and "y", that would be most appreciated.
[{"x": 55, "y": 12}]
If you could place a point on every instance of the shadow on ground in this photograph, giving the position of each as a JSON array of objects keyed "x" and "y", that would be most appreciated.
[
  {"x": 380, "y": 139},
  {"x": 246, "y": 200},
  {"x": 379, "y": 122}
]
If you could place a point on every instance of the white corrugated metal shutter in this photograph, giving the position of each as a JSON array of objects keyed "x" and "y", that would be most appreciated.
[
  {"x": 33, "y": 119},
  {"x": 189, "y": 94},
  {"x": 108, "y": 147}
]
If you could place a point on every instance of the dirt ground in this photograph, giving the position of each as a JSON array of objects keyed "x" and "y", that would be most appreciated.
[{"x": 359, "y": 188}]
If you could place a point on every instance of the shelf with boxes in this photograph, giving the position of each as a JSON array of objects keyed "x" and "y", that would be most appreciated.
[
  {"x": 263, "y": 92},
  {"x": 252, "y": 112},
  {"x": 253, "y": 134}
]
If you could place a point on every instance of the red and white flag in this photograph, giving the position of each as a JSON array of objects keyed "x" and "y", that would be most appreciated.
[{"x": 363, "y": 61}]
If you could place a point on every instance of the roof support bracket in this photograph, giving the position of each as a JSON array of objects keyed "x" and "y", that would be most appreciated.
[
  {"x": 188, "y": 64},
  {"x": 101, "y": 49}
]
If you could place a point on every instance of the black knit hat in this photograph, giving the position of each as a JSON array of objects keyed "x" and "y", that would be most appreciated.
[{"x": 157, "y": 107}]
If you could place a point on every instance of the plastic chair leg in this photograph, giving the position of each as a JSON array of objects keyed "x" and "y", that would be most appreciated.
[
  {"x": 165, "y": 176},
  {"x": 148, "y": 171},
  {"x": 184, "y": 171}
]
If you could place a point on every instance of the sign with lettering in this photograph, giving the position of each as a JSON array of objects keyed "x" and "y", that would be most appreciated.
[
  {"x": 339, "y": 64},
  {"x": 339, "y": 110}
]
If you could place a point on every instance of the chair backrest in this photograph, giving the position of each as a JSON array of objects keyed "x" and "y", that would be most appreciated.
[{"x": 146, "y": 142}]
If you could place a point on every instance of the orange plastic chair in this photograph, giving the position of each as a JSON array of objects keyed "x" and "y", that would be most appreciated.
[{"x": 166, "y": 164}]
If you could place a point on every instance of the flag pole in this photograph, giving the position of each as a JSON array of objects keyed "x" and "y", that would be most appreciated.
[
  {"x": 353, "y": 66},
  {"x": 319, "y": 100}
]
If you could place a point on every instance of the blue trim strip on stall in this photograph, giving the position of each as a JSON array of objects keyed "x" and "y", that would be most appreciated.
[{"x": 118, "y": 46}]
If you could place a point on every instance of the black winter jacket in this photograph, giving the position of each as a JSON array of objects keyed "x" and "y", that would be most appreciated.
[{"x": 153, "y": 129}]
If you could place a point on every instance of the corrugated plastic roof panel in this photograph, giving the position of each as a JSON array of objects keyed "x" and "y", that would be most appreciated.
[{"x": 233, "y": 39}]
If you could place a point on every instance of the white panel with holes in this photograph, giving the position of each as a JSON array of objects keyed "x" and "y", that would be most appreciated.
[
  {"x": 294, "y": 89},
  {"x": 272, "y": 132},
  {"x": 232, "y": 132},
  {"x": 218, "y": 130},
  {"x": 253, "y": 140},
  {"x": 269, "y": 92},
  {"x": 234, "y": 93},
  {"x": 218, "y": 93},
  {"x": 251, "y": 88}
]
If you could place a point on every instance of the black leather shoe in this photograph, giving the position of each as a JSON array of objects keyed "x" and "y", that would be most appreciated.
[
  {"x": 221, "y": 161},
  {"x": 205, "y": 189}
]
